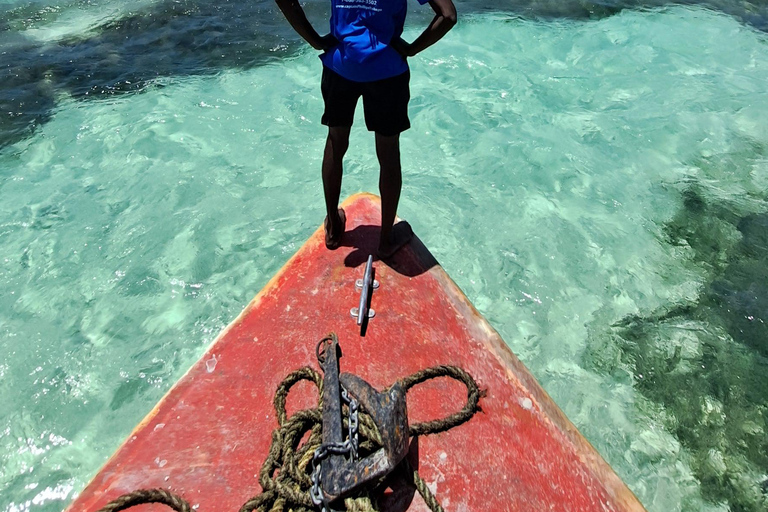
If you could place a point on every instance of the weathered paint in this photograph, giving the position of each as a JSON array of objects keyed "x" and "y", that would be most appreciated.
[{"x": 209, "y": 436}]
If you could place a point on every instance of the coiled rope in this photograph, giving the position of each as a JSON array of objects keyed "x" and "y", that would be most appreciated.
[{"x": 285, "y": 474}]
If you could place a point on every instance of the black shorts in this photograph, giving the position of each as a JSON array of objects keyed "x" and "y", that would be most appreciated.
[{"x": 385, "y": 102}]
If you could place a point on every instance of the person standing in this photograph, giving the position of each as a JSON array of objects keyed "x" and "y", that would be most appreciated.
[{"x": 365, "y": 55}]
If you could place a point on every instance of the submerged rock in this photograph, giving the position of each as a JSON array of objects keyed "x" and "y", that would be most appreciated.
[{"x": 706, "y": 362}]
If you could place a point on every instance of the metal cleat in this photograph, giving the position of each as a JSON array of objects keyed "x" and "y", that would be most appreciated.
[{"x": 366, "y": 285}]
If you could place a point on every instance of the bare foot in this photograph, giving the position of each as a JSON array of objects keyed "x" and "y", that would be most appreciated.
[
  {"x": 334, "y": 230},
  {"x": 399, "y": 237}
]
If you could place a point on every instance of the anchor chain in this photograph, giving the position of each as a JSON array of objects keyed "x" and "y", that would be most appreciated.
[{"x": 348, "y": 447}]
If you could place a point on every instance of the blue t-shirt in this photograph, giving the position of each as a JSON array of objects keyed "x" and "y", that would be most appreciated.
[{"x": 364, "y": 29}]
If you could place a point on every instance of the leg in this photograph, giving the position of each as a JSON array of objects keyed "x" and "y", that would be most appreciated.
[
  {"x": 390, "y": 184},
  {"x": 335, "y": 147},
  {"x": 340, "y": 96},
  {"x": 386, "y": 114}
]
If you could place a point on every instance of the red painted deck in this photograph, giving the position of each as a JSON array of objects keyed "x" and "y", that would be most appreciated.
[{"x": 208, "y": 437}]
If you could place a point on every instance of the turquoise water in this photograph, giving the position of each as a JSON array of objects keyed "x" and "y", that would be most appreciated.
[{"x": 597, "y": 187}]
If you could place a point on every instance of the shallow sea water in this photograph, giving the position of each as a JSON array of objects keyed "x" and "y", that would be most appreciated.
[{"x": 596, "y": 187}]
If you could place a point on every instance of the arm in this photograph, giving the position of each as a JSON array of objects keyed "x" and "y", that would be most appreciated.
[
  {"x": 295, "y": 15},
  {"x": 444, "y": 20}
]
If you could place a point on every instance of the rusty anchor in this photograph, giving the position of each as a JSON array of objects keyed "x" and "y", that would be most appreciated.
[{"x": 337, "y": 471}]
